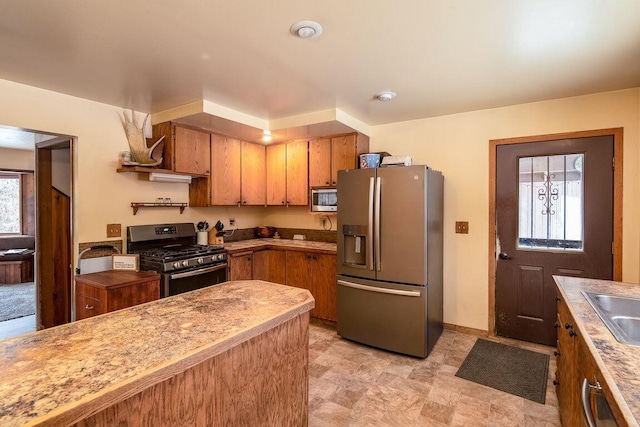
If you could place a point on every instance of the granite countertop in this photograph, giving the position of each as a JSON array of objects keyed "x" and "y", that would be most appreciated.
[
  {"x": 296, "y": 245},
  {"x": 619, "y": 363},
  {"x": 55, "y": 375}
]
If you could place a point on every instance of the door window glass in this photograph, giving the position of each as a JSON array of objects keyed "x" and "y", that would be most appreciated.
[{"x": 551, "y": 202}]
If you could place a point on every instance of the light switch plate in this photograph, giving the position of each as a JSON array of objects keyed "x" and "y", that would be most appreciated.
[
  {"x": 462, "y": 227},
  {"x": 114, "y": 230}
]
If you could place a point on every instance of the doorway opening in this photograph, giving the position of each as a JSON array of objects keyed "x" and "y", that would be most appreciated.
[
  {"x": 43, "y": 162},
  {"x": 535, "y": 182}
]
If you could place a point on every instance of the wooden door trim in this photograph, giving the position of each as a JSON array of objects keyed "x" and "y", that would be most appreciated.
[{"x": 617, "y": 134}]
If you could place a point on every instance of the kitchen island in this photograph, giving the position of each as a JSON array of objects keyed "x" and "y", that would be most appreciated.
[
  {"x": 230, "y": 354},
  {"x": 616, "y": 364}
]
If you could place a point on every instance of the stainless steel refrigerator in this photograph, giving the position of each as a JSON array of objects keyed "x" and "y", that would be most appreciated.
[{"x": 390, "y": 257}]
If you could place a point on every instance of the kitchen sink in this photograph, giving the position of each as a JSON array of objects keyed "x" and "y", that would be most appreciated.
[{"x": 620, "y": 314}]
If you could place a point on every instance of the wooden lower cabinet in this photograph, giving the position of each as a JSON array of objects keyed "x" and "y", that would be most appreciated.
[
  {"x": 575, "y": 363},
  {"x": 313, "y": 271},
  {"x": 241, "y": 266},
  {"x": 317, "y": 273},
  {"x": 269, "y": 265},
  {"x": 106, "y": 291}
]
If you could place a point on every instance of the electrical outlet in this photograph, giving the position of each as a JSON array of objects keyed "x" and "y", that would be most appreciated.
[
  {"x": 462, "y": 227},
  {"x": 114, "y": 230},
  {"x": 232, "y": 222}
]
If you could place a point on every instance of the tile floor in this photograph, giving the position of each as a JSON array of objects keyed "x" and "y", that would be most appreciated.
[{"x": 355, "y": 385}]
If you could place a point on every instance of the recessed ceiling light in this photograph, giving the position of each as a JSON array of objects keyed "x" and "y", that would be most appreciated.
[
  {"x": 385, "y": 96},
  {"x": 306, "y": 29}
]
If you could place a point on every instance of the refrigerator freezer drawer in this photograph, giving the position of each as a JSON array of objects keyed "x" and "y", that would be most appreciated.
[{"x": 383, "y": 315}]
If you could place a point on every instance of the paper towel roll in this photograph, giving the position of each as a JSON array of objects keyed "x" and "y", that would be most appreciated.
[{"x": 203, "y": 237}]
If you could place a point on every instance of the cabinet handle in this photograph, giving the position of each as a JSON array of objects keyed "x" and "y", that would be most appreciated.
[
  {"x": 334, "y": 183},
  {"x": 327, "y": 182},
  {"x": 586, "y": 402},
  {"x": 572, "y": 334},
  {"x": 282, "y": 202},
  {"x": 556, "y": 353},
  {"x": 556, "y": 325},
  {"x": 557, "y": 299},
  {"x": 568, "y": 326},
  {"x": 244, "y": 203},
  {"x": 555, "y": 382},
  {"x": 88, "y": 307}
]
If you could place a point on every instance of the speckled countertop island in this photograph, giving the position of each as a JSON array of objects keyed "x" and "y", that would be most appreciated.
[
  {"x": 619, "y": 363},
  {"x": 286, "y": 244},
  {"x": 49, "y": 373}
]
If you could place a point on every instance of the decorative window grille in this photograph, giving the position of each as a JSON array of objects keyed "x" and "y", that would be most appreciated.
[{"x": 551, "y": 202}]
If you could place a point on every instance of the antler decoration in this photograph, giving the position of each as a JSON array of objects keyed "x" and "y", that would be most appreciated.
[{"x": 138, "y": 143}]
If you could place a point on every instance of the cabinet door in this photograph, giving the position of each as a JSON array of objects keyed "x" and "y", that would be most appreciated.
[
  {"x": 90, "y": 301},
  {"x": 319, "y": 162},
  {"x": 277, "y": 175},
  {"x": 253, "y": 174},
  {"x": 297, "y": 270},
  {"x": 241, "y": 266},
  {"x": 225, "y": 171},
  {"x": 566, "y": 360},
  {"x": 192, "y": 151},
  {"x": 325, "y": 288},
  {"x": 297, "y": 173},
  {"x": 269, "y": 265},
  {"x": 343, "y": 155}
]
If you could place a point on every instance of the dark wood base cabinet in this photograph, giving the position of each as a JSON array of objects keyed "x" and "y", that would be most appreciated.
[
  {"x": 313, "y": 271},
  {"x": 105, "y": 291},
  {"x": 575, "y": 365}
]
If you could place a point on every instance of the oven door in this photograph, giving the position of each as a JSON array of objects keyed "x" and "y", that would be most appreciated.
[{"x": 179, "y": 282}]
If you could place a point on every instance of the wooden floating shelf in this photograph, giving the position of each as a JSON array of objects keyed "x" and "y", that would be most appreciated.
[
  {"x": 142, "y": 169},
  {"x": 138, "y": 205}
]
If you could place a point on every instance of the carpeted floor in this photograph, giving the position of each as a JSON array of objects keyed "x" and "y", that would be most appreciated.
[
  {"x": 17, "y": 300},
  {"x": 510, "y": 369}
]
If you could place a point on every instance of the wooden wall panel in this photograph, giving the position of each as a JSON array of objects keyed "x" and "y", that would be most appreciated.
[{"x": 261, "y": 382}]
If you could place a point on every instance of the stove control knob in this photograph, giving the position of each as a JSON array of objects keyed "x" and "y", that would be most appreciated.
[
  {"x": 185, "y": 263},
  {"x": 220, "y": 257},
  {"x": 213, "y": 258},
  {"x": 200, "y": 260},
  {"x": 176, "y": 264}
]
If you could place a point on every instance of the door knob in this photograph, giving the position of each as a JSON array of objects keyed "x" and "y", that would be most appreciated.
[{"x": 504, "y": 255}]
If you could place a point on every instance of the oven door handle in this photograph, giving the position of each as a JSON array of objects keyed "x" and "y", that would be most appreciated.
[{"x": 198, "y": 272}]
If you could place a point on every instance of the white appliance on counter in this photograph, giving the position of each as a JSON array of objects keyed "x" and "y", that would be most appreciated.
[{"x": 390, "y": 257}]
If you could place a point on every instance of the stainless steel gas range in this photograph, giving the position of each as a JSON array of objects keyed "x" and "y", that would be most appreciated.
[{"x": 171, "y": 250}]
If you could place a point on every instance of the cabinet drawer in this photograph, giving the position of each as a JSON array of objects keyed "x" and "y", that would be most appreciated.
[{"x": 87, "y": 306}]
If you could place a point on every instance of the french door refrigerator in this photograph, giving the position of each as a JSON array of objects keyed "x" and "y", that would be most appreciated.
[{"x": 390, "y": 257}]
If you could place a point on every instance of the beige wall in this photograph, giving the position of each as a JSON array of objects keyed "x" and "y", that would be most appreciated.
[
  {"x": 103, "y": 196},
  {"x": 16, "y": 159},
  {"x": 458, "y": 145}
]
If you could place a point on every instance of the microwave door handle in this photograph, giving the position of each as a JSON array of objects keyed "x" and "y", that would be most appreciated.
[
  {"x": 370, "y": 224},
  {"x": 377, "y": 225}
]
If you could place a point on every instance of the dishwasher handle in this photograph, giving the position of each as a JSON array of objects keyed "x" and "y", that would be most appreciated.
[{"x": 379, "y": 290}]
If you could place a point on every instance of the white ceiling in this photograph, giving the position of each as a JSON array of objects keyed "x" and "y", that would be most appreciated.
[{"x": 440, "y": 56}]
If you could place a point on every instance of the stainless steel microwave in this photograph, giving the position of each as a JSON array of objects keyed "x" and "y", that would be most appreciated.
[{"x": 324, "y": 199}]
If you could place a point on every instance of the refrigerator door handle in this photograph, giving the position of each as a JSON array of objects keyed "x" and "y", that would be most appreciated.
[
  {"x": 377, "y": 224},
  {"x": 379, "y": 290},
  {"x": 370, "y": 224}
]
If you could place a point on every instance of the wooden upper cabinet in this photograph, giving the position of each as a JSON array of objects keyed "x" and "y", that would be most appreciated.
[
  {"x": 343, "y": 155},
  {"x": 320, "y": 162},
  {"x": 297, "y": 173},
  {"x": 225, "y": 170},
  {"x": 277, "y": 175},
  {"x": 253, "y": 174},
  {"x": 192, "y": 151},
  {"x": 329, "y": 155},
  {"x": 186, "y": 150}
]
